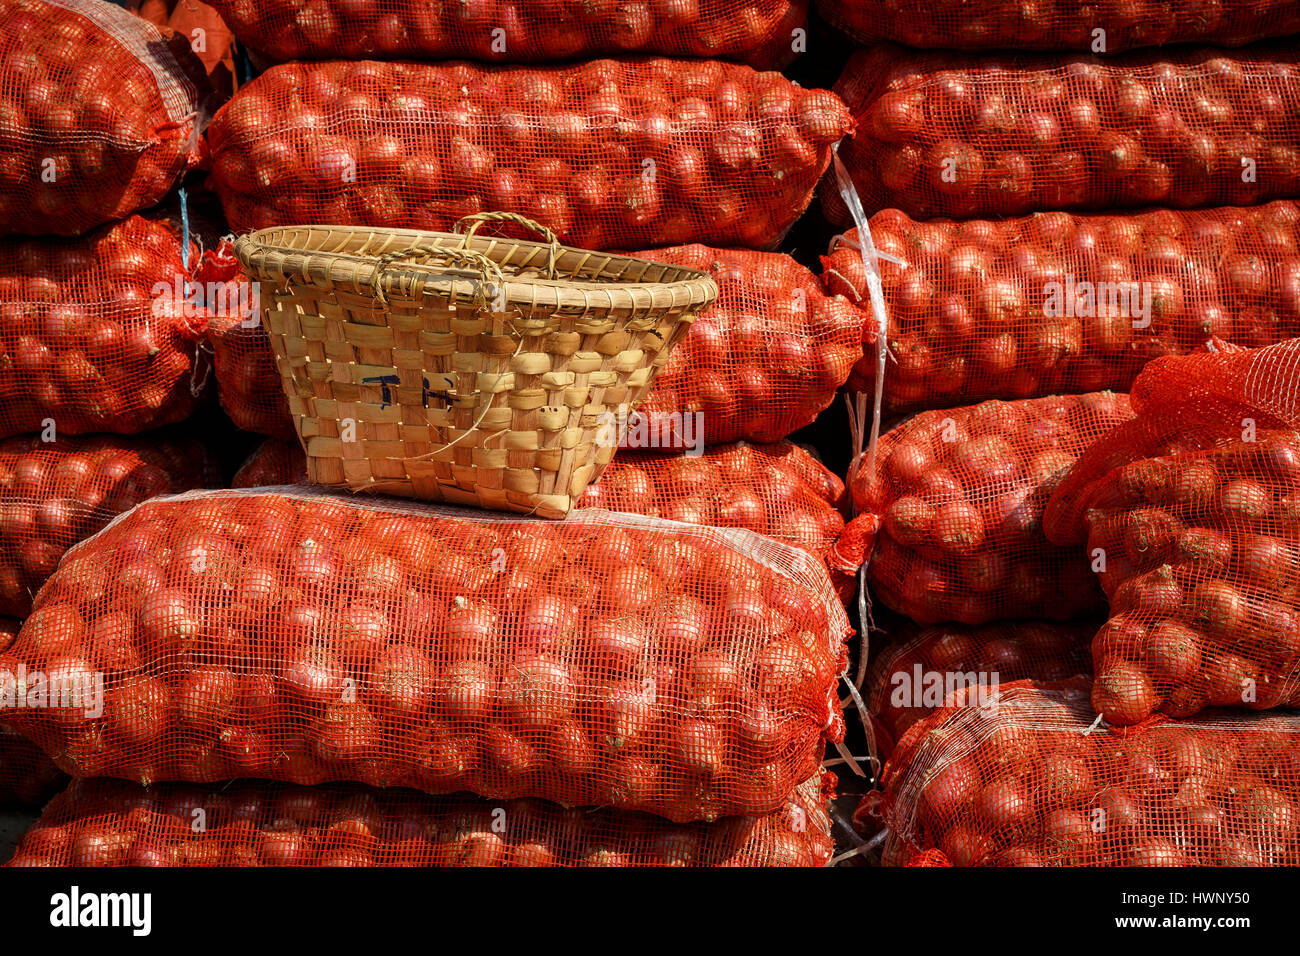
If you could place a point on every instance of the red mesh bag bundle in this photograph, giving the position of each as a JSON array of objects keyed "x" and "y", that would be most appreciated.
[
  {"x": 273, "y": 462},
  {"x": 243, "y": 362},
  {"x": 916, "y": 671},
  {"x": 759, "y": 32},
  {"x": 778, "y": 490},
  {"x": 27, "y": 777},
  {"x": 54, "y": 494},
  {"x": 1020, "y": 781},
  {"x": 96, "y": 333},
  {"x": 1061, "y": 24},
  {"x": 100, "y": 114},
  {"x": 1194, "y": 507},
  {"x": 609, "y": 154},
  {"x": 116, "y": 823},
  {"x": 960, "y": 135},
  {"x": 609, "y": 659},
  {"x": 762, "y": 362},
  {"x": 1059, "y": 303},
  {"x": 959, "y": 496}
]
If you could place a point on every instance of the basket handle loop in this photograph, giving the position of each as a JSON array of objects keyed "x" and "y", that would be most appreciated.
[
  {"x": 466, "y": 258},
  {"x": 477, "y": 219}
]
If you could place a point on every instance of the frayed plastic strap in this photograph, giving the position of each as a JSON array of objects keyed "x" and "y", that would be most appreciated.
[
  {"x": 1093, "y": 726},
  {"x": 871, "y": 257},
  {"x": 850, "y": 759},
  {"x": 185, "y": 230}
]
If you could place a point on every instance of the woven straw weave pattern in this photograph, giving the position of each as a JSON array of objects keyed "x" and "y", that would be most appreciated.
[{"x": 450, "y": 387}]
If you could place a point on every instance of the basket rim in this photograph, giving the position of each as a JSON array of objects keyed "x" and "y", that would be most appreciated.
[{"x": 276, "y": 261}]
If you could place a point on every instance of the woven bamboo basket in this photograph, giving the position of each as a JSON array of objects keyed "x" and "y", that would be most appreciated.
[{"x": 468, "y": 369}]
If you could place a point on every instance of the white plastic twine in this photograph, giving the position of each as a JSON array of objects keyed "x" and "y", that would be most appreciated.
[{"x": 871, "y": 257}]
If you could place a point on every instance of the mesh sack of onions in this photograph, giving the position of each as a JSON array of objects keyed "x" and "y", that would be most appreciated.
[
  {"x": 292, "y": 635},
  {"x": 273, "y": 462},
  {"x": 243, "y": 362},
  {"x": 100, "y": 114},
  {"x": 965, "y": 135},
  {"x": 54, "y": 494},
  {"x": 117, "y": 823},
  {"x": 779, "y": 490},
  {"x": 1191, "y": 513},
  {"x": 759, "y": 32},
  {"x": 97, "y": 333},
  {"x": 762, "y": 362},
  {"x": 920, "y": 666},
  {"x": 958, "y": 498},
  {"x": 1110, "y": 26},
  {"x": 608, "y": 154},
  {"x": 1019, "y": 780},
  {"x": 27, "y": 777},
  {"x": 1057, "y": 303}
]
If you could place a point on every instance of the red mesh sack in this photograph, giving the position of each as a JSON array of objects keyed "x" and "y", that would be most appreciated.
[
  {"x": 960, "y": 135},
  {"x": 609, "y": 154},
  {"x": 959, "y": 497},
  {"x": 27, "y": 777},
  {"x": 762, "y": 362},
  {"x": 759, "y": 32},
  {"x": 1061, "y": 24},
  {"x": 243, "y": 362},
  {"x": 273, "y": 462},
  {"x": 1195, "y": 508},
  {"x": 54, "y": 494},
  {"x": 100, "y": 113},
  {"x": 920, "y": 666},
  {"x": 96, "y": 334},
  {"x": 1021, "y": 781},
  {"x": 778, "y": 490},
  {"x": 609, "y": 659},
  {"x": 1009, "y": 309},
  {"x": 116, "y": 823}
]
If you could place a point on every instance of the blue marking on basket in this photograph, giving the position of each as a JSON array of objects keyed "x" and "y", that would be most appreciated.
[{"x": 386, "y": 396}]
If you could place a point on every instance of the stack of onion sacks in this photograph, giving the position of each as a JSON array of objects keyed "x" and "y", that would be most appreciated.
[{"x": 1191, "y": 514}]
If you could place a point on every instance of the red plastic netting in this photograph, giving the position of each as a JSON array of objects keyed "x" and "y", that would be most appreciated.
[
  {"x": 100, "y": 114},
  {"x": 960, "y": 135},
  {"x": 780, "y": 490},
  {"x": 609, "y": 659},
  {"x": 959, "y": 498},
  {"x": 759, "y": 32},
  {"x": 609, "y": 154},
  {"x": 27, "y": 777},
  {"x": 919, "y": 668},
  {"x": 762, "y": 362},
  {"x": 777, "y": 490},
  {"x": 273, "y": 462},
  {"x": 96, "y": 333},
  {"x": 54, "y": 494},
  {"x": 1061, "y": 24},
  {"x": 243, "y": 362},
  {"x": 1059, "y": 303},
  {"x": 116, "y": 823},
  {"x": 1192, "y": 515},
  {"x": 1021, "y": 781}
]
